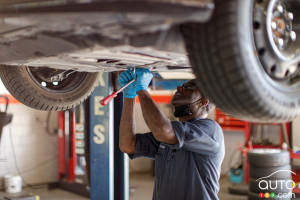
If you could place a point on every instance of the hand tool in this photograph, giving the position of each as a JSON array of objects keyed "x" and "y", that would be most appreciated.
[{"x": 107, "y": 99}]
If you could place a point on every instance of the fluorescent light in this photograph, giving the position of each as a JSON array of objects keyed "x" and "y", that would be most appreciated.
[{"x": 177, "y": 75}]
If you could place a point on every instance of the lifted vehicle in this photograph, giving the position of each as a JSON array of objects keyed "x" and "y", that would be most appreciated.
[{"x": 245, "y": 53}]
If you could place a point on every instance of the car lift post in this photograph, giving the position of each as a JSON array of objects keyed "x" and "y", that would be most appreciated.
[
  {"x": 121, "y": 159},
  {"x": 109, "y": 178}
]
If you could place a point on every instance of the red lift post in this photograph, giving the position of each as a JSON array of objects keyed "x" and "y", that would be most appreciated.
[{"x": 67, "y": 146}]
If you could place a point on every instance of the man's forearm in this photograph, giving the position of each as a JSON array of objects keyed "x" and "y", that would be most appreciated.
[
  {"x": 158, "y": 123},
  {"x": 127, "y": 127}
]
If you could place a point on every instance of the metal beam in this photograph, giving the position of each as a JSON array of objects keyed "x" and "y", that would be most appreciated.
[{"x": 121, "y": 160}]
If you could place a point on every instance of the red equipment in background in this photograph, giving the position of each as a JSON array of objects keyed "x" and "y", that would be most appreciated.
[
  {"x": 72, "y": 165},
  {"x": 229, "y": 123},
  {"x": 67, "y": 146}
]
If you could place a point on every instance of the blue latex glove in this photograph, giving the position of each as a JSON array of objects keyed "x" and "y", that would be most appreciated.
[
  {"x": 123, "y": 79},
  {"x": 143, "y": 79}
]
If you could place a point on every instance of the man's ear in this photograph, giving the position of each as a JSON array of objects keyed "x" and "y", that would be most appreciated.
[{"x": 204, "y": 102}]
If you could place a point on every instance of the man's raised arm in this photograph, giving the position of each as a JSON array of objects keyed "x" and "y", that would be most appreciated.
[
  {"x": 127, "y": 139},
  {"x": 156, "y": 120},
  {"x": 127, "y": 127}
]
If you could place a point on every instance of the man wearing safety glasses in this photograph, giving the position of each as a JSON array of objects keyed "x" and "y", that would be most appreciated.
[{"x": 188, "y": 153}]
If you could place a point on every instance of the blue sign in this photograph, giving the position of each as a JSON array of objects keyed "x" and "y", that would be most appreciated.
[{"x": 101, "y": 142}]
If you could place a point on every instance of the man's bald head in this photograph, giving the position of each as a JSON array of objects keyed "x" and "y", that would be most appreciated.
[{"x": 189, "y": 98}]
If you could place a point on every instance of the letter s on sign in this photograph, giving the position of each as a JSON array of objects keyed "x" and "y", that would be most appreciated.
[{"x": 99, "y": 137}]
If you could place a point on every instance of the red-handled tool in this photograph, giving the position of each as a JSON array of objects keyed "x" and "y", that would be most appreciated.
[{"x": 107, "y": 99}]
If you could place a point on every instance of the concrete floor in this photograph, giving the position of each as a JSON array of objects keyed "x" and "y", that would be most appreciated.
[
  {"x": 46, "y": 194},
  {"x": 141, "y": 189}
]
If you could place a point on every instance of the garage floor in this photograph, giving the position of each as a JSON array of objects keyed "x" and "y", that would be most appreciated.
[
  {"x": 141, "y": 189},
  {"x": 46, "y": 194}
]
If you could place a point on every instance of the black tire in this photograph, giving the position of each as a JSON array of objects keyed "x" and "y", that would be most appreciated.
[
  {"x": 278, "y": 173},
  {"x": 254, "y": 196},
  {"x": 268, "y": 158},
  {"x": 228, "y": 69},
  {"x": 23, "y": 87},
  {"x": 280, "y": 186}
]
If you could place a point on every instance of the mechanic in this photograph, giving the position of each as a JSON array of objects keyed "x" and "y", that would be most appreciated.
[{"x": 188, "y": 153}]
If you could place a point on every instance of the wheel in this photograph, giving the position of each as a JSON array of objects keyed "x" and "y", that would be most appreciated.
[
  {"x": 48, "y": 89},
  {"x": 268, "y": 158},
  {"x": 247, "y": 58}
]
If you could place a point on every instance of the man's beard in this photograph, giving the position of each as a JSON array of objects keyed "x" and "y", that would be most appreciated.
[{"x": 183, "y": 111}]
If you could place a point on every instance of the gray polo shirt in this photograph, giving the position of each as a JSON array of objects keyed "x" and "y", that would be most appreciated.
[{"x": 190, "y": 169}]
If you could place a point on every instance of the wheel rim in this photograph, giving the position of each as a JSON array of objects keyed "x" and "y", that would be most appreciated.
[
  {"x": 275, "y": 35},
  {"x": 280, "y": 29},
  {"x": 42, "y": 78}
]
